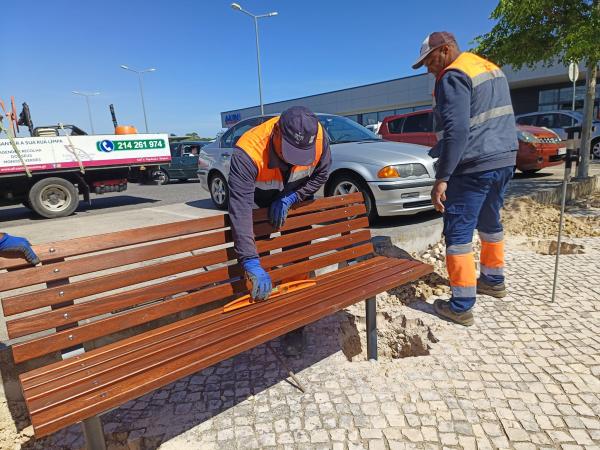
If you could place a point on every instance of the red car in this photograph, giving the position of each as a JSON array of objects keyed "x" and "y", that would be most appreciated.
[{"x": 538, "y": 147}]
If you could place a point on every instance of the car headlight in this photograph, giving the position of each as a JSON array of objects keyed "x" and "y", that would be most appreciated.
[
  {"x": 526, "y": 136},
  {"x": 402, "y": 171}
]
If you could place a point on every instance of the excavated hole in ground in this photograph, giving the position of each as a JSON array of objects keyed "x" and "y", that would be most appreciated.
[
  {"x": 397, "y": 337},
  {"x": 549, "y": 247}
]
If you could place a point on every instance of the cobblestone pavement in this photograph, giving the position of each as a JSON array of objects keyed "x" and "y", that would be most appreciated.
[{"x": 525, "y": 376}]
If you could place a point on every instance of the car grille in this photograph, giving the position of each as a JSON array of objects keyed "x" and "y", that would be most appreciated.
[
  {"x": 549, "y": 140},
  {"x": 418, "y": 204}
]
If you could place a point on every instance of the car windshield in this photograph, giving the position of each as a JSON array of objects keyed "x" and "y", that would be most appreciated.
[{"x": 341, "y": 129}]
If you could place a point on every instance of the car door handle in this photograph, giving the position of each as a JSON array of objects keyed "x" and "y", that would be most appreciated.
[{"x": 225, "y": 155}]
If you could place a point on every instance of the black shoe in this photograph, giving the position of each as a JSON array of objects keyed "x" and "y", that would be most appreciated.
[
  {"x": 493, "y": 290},
  {"x": 293, "y": 342}
]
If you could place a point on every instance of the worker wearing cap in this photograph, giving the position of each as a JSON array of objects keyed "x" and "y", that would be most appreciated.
[
  {"x": 18, "y": 245},
  {"x": 281, "y": 162},
  {"x": 477, "y": 147}
]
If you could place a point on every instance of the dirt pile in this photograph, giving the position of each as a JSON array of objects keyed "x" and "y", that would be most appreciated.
[
  {"x": 397, "y": 335},
  {"x": 524, "y": 216},
  {"x": 550, "y": 247}
]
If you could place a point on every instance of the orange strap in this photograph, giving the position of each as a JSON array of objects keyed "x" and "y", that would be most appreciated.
[
  {"x": 284, "y": 288},
  {"x": 461, "y": 270}
]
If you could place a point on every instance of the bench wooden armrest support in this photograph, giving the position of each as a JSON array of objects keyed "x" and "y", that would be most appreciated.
[{"x": 147, "y": 304}]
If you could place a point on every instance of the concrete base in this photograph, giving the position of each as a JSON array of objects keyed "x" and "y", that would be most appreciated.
[{"x": 575, "y": 190}]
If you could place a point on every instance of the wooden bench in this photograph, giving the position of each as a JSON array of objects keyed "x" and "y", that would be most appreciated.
[{"x": 168, "y": 283}]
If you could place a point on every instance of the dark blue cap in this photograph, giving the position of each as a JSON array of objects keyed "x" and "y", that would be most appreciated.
[{"x": 298, "y": 126}]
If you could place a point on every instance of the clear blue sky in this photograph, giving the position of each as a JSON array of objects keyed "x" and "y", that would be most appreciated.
[{"x": 204, "y": 53}]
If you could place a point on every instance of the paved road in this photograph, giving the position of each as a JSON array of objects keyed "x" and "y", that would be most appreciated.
[{"x": 136, "y": 197}]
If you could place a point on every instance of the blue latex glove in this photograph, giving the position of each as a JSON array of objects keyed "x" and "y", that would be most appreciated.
[
  {"x": 279, "y": 209},
  {"x": 261, "y": 281},
  {"x": 10, "y": 243}
]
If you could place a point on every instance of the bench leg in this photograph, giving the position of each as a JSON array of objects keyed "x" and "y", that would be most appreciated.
[
  {"x": 371, "y": 307},
  {"x": 94, "y": 436}
]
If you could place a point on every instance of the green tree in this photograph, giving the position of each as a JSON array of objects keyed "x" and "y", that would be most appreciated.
[{"x": 529, "y": 32}]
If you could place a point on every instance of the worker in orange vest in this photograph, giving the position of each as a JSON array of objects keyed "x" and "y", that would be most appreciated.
[
  {"x": 477, "y": 147},
  {"x": 281, "y": 162}
]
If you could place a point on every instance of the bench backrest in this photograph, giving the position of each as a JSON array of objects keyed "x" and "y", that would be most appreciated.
[{"x": 93, "y": 287}]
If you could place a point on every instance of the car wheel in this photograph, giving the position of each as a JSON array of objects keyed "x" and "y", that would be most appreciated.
[
  {"x": 160, "y": 177},
  {"x": 219, "y": 191},
  {"x": 345, "y": 184},
  {"x": 595, "y": 148},
  {"x": 53, "y": 197}
]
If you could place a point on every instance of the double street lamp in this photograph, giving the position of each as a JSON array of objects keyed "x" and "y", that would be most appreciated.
[
  {"x": 237, "y": 7},
  {"x": 139, "y": 73},
  {"x": 87, "y": 96}
]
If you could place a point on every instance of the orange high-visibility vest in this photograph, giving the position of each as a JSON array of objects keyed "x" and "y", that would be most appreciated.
[
  {"x": 491, "y": 122},
  {"x": 255, "y": 142}
]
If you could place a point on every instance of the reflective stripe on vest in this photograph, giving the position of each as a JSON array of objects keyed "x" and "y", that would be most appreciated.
[
  {"x": 491, "y": 114},
  {"x": 256, "y": 142}
]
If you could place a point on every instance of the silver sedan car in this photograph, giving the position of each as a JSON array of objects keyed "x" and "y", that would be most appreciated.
[{"x": 395, "y": 177}]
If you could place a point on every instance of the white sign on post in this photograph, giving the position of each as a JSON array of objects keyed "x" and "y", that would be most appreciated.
[
  {"x": 573, "y": 75},
  {"x": 573, "y": 72}
]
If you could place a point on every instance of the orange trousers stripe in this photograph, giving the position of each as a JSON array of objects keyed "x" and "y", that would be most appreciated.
[
  {"x": 492, "y": 254},
  {"x": 461, "y": 270}
]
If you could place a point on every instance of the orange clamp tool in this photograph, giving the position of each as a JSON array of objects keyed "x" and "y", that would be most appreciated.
[{"x": 284, "y": 288}]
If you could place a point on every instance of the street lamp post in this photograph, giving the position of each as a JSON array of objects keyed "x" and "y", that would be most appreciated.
[
  {"x": 141, "y": 83},
  {"x": 237, "y": 7},
  {"x": 87, "y": 96}
]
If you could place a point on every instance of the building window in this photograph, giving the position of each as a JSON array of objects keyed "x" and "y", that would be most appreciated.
[
  {"x": 404, "y": 110},
  {"x": 422, "y": 107},
  {"x": 383, "y": 114},
  {"x": 555, "y": 99},
  {"x": 353, "y": 117},
  {"x": 369, "y": 118}
]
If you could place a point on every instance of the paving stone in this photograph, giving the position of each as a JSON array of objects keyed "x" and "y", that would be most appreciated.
[
  {"x": 412, "y": 434},
  {"x": 517, "y": 434},
  {"x": 449, "y": 438}
]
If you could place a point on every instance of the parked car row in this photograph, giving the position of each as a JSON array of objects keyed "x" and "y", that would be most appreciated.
[
  {"x": 395, "y": 178},
  {"x": 538, "y": 147},
  {"x": 392, "y": 168}
]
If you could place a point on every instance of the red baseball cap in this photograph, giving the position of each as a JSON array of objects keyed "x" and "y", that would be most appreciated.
[{"x": 431, "y": 42}]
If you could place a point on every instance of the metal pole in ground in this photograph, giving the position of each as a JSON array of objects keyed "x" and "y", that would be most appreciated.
[
  {"x": 571, "y": 156},
  {"x": 560, "y": 223}
]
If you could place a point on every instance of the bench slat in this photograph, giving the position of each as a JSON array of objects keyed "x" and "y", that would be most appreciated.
[
  {"x": 45, "y": 297},
  {"x": 177, "y": 343},
  {"x": 103, "y": 327},
  {"x": 106, "y": 353},
  {"x": 89, "y": 264},
  {"x": 108, "y": 241},
  {"x": 256, "y": 333},
  {"x": 53, "y": 319}
]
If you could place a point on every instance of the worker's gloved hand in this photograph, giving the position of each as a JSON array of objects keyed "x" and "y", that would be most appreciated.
[
  {"x": 10, "y": 243},
  {"x": 261, "y": 281},
  {"x": 280, "y": 207}
]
